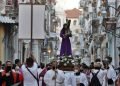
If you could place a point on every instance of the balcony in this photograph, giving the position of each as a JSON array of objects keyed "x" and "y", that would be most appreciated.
[
  {"x": 109, "y": 23},
  {"x": 95, "y": 25},
  {"x": 84, "y": 3},
  {"x": 94, "y": 3},
  {"x": 40, "y": 2}
]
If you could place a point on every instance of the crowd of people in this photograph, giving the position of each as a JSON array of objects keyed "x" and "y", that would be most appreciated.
[{"x": 99, "y": 73}]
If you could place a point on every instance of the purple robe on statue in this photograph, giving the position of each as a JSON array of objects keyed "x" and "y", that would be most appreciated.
[{"x": 65, "y": 45}]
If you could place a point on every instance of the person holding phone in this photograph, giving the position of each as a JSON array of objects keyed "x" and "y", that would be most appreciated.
[{"x": 9, "y": 76}]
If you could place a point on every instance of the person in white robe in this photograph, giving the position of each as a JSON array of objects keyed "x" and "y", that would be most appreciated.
[
  {"x": 54, "y": 76},
  {"x": 110, "y": 72},
  {"x": 101, "y": 73},
  {"x": 78, "y": 78},
  {"x": 68, "y": 80}
]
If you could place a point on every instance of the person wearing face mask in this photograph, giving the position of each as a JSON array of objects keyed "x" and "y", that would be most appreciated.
[
  {"x": 9, "y": 76},
  {"x": 54, "y": 76},
  {"x": 78, "y": 78}
]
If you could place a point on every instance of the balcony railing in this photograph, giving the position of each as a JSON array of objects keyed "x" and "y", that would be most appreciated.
[{"x": 109, "y": 23}]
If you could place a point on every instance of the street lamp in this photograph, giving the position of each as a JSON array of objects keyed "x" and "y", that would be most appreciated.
[
  {"x": 49, "y": 54},
  {"x": 49, "y": 50}
]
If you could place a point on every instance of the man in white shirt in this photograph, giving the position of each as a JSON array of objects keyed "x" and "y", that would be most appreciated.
[
  {"x": 29, "y": 79},
  {"x": 54, "y": 76}
]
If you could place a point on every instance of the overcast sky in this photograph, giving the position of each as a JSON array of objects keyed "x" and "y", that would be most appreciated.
[{"x": 68, "y": 4}]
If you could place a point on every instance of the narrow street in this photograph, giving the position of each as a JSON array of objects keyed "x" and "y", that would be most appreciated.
[{"x": 59, "y": 42}]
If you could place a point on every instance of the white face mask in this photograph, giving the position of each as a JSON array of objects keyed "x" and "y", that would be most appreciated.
[{"x": 75, "y": 71}]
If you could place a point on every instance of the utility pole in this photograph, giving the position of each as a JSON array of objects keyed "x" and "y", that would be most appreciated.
[
  {"x": 31, "y": 39},
  {"x": 116, "y": 61}
]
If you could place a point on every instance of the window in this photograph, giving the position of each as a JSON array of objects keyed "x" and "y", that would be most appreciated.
[
  {"x": 74, "y": 22},
  {"x": 9, "y": 2}
]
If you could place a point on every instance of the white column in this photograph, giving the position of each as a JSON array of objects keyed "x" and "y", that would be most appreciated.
[
  {"x": 113, "y": 50},
  {"x": 36, "y": 50},
  {"x": 16, "y": 47},
  {"x": 98, "y": 52},
  {"x": 92, "y": 58}
]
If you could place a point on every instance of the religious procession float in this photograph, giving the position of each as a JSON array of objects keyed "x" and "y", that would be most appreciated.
[
  {"x": 66, "y": 60},
  {"x": 67, "y": 63}
]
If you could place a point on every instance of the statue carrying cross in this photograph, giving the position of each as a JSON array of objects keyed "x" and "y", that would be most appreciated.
[{"x": 65, "y": 34}]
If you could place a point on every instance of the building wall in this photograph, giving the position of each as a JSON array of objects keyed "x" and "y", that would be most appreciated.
[
  {"x": 112, "y": 39},
  {"x": 2, "y": 43},
  {"x": 117, "y": 50},
  {"x": 15, "y": 45},
  {"x": 118, "y": 32},
  {"x": 110, "y": 42}
]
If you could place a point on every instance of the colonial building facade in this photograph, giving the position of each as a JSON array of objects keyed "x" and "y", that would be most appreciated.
[{"x": 99, "y": 21}]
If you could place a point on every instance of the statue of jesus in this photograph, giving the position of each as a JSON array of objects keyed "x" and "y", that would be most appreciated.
[{"x": 65, "y": 45}]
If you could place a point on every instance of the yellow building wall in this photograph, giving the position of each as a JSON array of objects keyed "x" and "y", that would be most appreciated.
[{"x": 1, "y": 43}]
